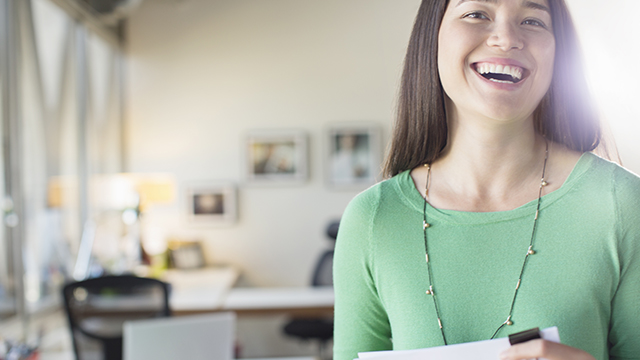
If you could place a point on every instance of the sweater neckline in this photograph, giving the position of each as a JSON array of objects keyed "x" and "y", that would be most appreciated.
[{"x": 414, "y": 199}]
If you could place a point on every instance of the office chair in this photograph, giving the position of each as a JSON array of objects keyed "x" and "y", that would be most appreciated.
[
  {"x": 97, "y": 309},
  {"x": 320, "y": 329}
]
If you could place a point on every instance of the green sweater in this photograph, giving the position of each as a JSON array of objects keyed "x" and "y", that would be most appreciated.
[{"x": 584, "y": 277}]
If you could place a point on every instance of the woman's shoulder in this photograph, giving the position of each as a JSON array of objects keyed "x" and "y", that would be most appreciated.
[
  {"x": 614, "y": 182},
  {"x": 387, "y": 191},
  {"x": 614, "y": 173}
]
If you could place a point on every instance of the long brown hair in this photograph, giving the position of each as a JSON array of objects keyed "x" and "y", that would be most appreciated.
[{"x": 565, "y": 114}]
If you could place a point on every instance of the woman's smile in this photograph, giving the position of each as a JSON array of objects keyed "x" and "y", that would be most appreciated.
[{"x": 509, "y": 73}]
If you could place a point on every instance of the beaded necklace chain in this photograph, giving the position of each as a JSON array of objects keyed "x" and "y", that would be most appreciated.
[{"x": 530, "y": 251}]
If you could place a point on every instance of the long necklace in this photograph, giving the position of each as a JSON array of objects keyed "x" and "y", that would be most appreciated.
[{"x": 530, "y": 251}]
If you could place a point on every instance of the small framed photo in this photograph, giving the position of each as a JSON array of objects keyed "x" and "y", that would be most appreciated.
[
  {"x": 277, "y": 156},
  {"x": 186, "y": 255},
  {"x": 353, "y": 156},
  {"x": 211, "y": 204}
]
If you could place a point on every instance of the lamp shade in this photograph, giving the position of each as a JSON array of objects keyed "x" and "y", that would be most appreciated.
[{"x": 132, "y": 190}]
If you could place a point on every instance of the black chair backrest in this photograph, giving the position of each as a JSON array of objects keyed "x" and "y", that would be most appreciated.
[
  {"x": 332, "y": 229},
  {"x": 323, "y": 273},
  {"x": 97, "y": 309}
]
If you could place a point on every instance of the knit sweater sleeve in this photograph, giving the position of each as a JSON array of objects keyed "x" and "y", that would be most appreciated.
[
  {"x": 624, "y": 334},
  {"x": 361, "y": 323}
]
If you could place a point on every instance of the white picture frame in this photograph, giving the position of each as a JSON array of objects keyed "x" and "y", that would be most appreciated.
[
  {"x": 211, "y": 203},
  {"x": 274, "y": 156},
  {"x": 353, "y": 155}
]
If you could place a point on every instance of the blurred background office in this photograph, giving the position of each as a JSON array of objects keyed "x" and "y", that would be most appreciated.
[{"x": 117, "y": 116}]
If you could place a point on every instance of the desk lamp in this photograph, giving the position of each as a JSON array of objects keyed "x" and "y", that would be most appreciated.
[{"x": 131, "y": 194}]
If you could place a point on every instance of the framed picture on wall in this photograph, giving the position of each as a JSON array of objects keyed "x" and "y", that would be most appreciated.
[
  {"x": 275, "y": 156},
  {"x": 353, "y": 155},
  {"x": 211, "y": 204},
  {"x": 186, "y": 255}
]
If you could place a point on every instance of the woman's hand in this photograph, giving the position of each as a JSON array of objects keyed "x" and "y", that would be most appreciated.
[{"x": 550, "y": 350}]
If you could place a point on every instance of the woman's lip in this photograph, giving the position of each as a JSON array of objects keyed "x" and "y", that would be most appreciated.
[{"x": 502, "y": 61}]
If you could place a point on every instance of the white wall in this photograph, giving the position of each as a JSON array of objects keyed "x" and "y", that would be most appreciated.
[
  {"x": 610, "y": 40},
  {"x": 202, "y": 73}
]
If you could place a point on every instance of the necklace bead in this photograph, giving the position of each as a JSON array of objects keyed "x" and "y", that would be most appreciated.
[{"x": 508, "y": 322}]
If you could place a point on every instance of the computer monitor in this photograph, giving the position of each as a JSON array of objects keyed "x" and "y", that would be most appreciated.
[{"x": 198, "y": 337}]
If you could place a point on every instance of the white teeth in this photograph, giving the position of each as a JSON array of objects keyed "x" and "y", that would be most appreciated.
[
  {"x": 501, "y": 81},
  {"x": 514, "y": 71}
]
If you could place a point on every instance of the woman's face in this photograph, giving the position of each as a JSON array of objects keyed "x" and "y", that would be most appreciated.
[{"x": 495, "y": 57}]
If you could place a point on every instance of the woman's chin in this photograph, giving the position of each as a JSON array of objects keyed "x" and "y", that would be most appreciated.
[{"x": 498, "y": 112}]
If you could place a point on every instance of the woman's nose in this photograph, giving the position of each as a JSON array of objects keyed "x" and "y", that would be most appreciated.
[{"x": 505, "y": 37}]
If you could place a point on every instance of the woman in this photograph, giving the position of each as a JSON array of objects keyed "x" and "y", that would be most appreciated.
[{"x": 492, "y": 101}]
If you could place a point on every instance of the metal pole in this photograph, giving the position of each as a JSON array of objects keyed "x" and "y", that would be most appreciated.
[
  {"x": 86, "y": 242},
  {"x": 7, "y": 207},
  {"x": 122, "y": 104},
  {"x": 13, "y": 151}
]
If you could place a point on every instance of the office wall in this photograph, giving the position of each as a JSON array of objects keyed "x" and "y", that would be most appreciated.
[
  {"x": 609, "y": 38},
  {"x": 202, "y": 73}
]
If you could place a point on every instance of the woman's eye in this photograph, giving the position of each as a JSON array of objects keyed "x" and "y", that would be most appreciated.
[
  {"x": 534, "y": 22},
  {"x": 475, "y": 15}
]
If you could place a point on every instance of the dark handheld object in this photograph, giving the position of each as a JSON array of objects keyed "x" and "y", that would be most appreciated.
[{"x": 524, "y": 336}]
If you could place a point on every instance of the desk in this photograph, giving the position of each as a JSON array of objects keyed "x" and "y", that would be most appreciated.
[
  {"x": 210, "y": 289},
  {"x": 306, "y": 301}
]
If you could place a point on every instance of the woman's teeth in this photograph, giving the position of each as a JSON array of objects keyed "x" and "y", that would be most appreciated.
[{"x": 500, "y": 73}]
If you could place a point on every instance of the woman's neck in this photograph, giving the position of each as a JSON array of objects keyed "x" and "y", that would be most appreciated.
[
  {"x": 492, "y": 151},
  {"x": 487, "y": 166}
]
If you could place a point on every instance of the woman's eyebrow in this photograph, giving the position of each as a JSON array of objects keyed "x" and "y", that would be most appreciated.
[
  {"x": 486, "y": 1},
  {"x": 537, "y": 6},
  {"x": 527, "y": 3}
]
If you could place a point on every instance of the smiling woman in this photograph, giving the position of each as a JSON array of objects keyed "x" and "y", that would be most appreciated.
[{"x": 493, "y": 178}]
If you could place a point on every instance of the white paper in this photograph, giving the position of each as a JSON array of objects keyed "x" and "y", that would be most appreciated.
[{"x": 479, "y": 350}]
